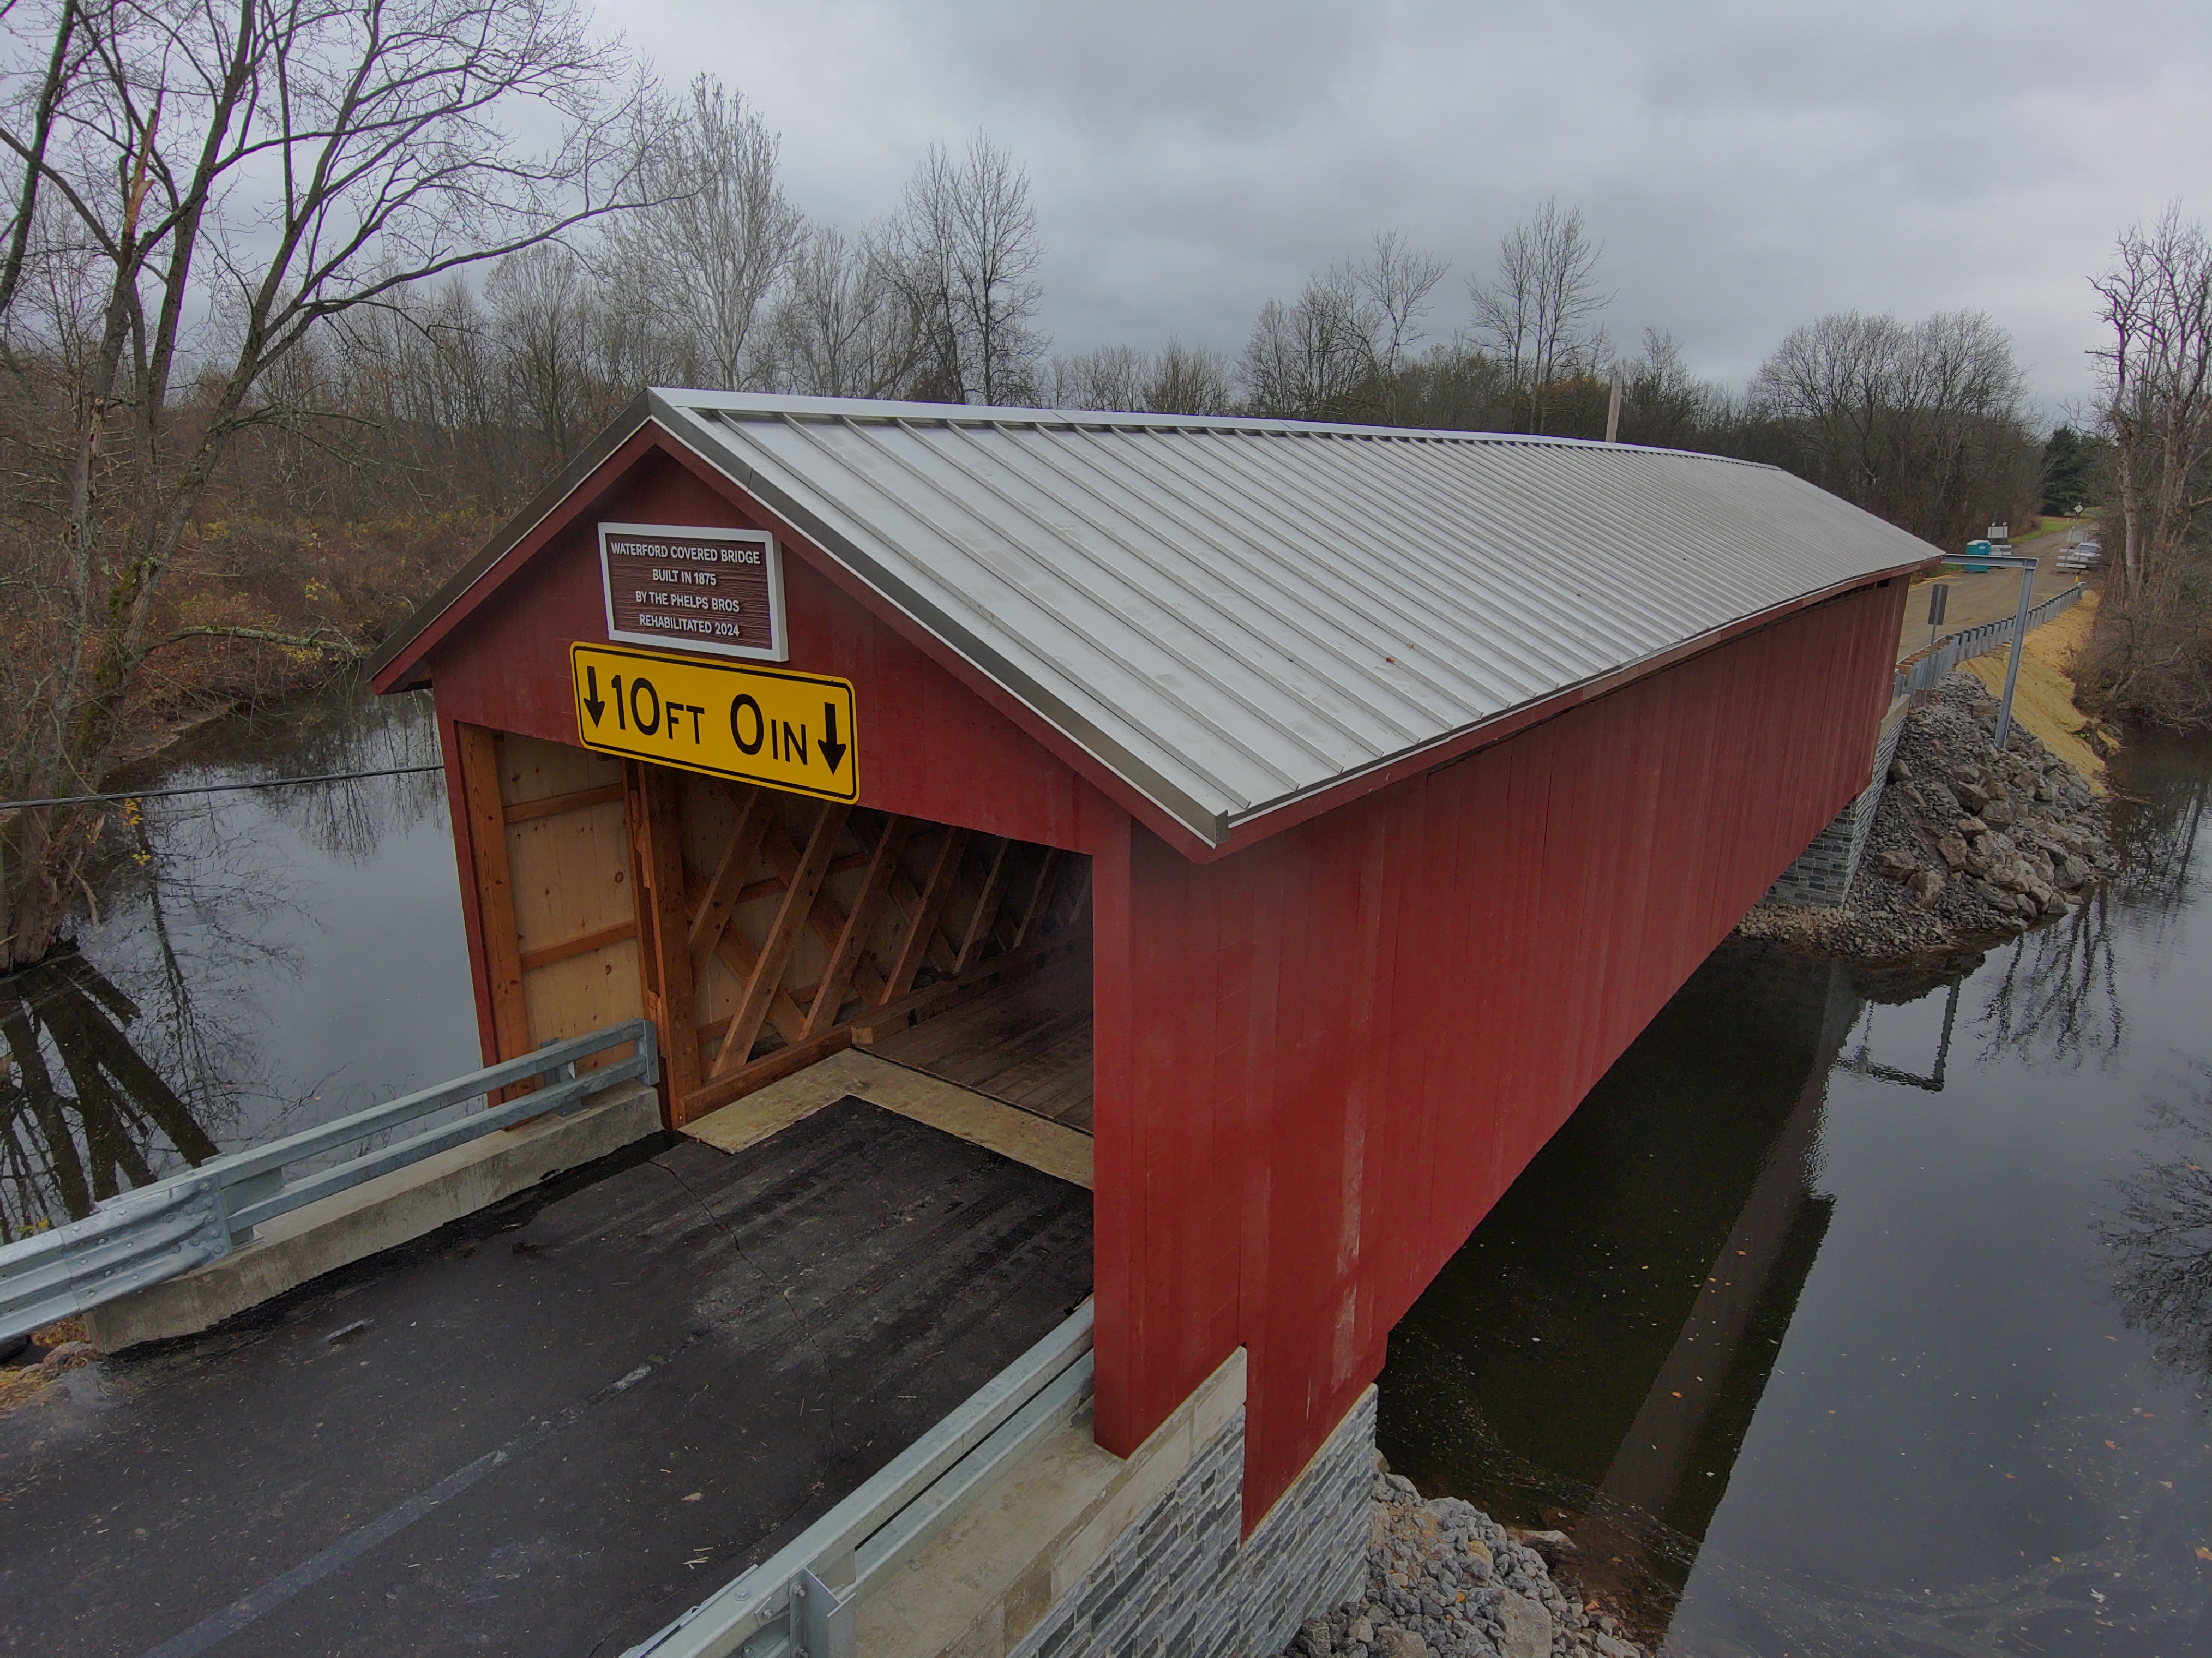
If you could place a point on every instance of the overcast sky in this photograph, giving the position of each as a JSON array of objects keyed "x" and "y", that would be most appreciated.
[{"x": 1747, "y": 166}]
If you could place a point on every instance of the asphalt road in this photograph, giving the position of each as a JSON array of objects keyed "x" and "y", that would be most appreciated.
[{"x": 548, "y": 1429}]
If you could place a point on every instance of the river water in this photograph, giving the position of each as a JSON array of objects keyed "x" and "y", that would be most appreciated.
[
  {"x": 258, "y": 961},
  {"x": 1847, "y": 1315},
  {"x": 1855, "y": 1316}
]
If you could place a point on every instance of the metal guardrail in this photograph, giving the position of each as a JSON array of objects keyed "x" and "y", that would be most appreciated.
[
  {"x": 1917, "y": 677},
  {"x": 163, "y": 1230},
  {"x": 803, "y": 1601}
]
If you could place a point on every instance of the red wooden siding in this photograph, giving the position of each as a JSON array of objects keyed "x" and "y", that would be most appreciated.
[
  {"x": 1323, "y": 1058},
  {"x": 929, "y": 746}
]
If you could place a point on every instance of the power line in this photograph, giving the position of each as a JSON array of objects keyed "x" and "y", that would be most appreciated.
[{"x": 216, "y": 789}]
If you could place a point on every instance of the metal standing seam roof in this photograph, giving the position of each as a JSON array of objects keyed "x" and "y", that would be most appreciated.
[{"x": 1232, "y": 615}]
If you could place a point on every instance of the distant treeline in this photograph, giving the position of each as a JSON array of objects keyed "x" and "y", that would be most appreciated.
[{"x": 462, "y": 397}]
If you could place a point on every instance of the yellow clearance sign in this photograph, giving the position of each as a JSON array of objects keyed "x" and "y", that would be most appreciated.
[{"x": 789, "y": 730}]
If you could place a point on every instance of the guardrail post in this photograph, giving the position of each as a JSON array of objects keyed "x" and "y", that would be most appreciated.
[
  {"x": 2019, "y": 646},
  {"x": 244, "y": 1195},
  {"x": 553, "y": 1076},
  {"x": 824, "y": 1623}
]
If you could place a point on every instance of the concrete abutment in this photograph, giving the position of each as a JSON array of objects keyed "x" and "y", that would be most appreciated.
[{"x": 1077, "y": 1553}]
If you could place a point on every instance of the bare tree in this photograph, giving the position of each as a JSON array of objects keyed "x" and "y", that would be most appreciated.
[
  {"x": 195, "y": 191},
  {"x": 1313, "y": 359},
  {"x": 2156, "y": 303},
  {"x": 1920, "y": 423},
  {"x": 1397, "y": 279},
  {"x": 1663, "y": 403},
  {"x": 704, "y": 260},
  {"x": 966, "y": 254},
  {"x": 542, "y": 304},
  {"x": 843, "y": 328},
  {"x": 1188, "y": 380},
  {"x": 1178, "y": 381},
  {"x": 1542, "y": 313},
  {"x": 1114, "y": 377}
]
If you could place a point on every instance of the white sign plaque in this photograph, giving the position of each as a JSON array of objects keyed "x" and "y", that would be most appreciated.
[{"x": 720, "y": 592}]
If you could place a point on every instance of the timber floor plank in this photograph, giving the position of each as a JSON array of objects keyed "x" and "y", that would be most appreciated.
[
  {"x": 1030, "y": 1043},
  {"x": 551, "y": 1427},
  {"x": 1054, "y": 1148}
]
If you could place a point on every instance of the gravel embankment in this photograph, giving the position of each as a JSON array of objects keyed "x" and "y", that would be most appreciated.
[
  {"x": 1970, "y": 847},
  {"x": 1445, "y": 1579}
]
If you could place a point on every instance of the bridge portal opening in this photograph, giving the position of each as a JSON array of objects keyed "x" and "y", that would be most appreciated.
[{"x": 766, "y": 934}]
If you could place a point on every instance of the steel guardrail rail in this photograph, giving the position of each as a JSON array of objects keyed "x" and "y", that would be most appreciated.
[
  {"x": 164, "y": 1229},
  {"x": 1917, "y": 677},
  {"x": 803, "y": 1601}
]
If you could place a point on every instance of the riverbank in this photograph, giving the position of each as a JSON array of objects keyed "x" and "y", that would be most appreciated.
[
  {"x": 1445, "y": 1579},
  {"x": 1970, "y": 847},
  {"x": 2043, "y": 701}
]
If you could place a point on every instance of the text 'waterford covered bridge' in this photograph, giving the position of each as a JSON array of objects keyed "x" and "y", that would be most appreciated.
[{"x": 1308, "y": 814}]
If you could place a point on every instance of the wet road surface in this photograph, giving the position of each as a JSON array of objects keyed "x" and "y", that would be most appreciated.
[{"x": 548, "y": 1428}]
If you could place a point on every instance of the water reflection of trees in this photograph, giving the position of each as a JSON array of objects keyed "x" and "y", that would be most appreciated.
[
  {"x": 2057, "y": 1001},
  {"x": 63, "y": 1149},
  {"x": 2161, "y": 1229},
  {"x": 2161, "y": 1235},
  {"x": 2166, "y": 785},
  {"x": 344, "y": 729},
  {"x": 2058, "y": 998},
  {"x": 132, "y": 1050}
]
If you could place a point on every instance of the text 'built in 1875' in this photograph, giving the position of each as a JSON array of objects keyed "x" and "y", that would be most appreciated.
[{"x": 715, "y": 590}]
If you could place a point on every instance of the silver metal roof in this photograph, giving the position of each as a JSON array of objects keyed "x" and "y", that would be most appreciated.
[{"x": 1234, "y": 614}]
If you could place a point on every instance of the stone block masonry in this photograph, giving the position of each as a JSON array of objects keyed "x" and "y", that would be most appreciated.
[
  {"x": 1075, "y": 1552},
  {"x": 1180, "y": 1581},
  {"x": 1822, "y": 875}
]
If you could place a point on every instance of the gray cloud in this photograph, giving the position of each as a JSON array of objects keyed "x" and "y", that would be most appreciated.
[{"x": 1748, "y": 166}]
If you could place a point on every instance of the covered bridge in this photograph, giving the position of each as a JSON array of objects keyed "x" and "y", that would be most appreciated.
[{"x": 1320, "y": 809}]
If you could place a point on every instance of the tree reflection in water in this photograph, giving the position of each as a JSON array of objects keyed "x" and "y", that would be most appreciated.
[
  {"x": 2058, "y": 998},
  {"x": 132, "y": 1050},
  {"x": 64, "y": 1149},
  {"x": 2160, "y": 1231},
  {"x": 2162, "y": 1236}
]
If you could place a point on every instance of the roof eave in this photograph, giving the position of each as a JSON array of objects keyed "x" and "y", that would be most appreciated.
[{"x": 1272, "y": 817}]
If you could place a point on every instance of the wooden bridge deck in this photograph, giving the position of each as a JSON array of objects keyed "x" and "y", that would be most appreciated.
[{"x": 1028, "y": 1043}]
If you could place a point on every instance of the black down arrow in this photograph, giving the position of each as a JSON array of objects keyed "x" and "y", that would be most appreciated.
[{"x": 833, "y": 751}]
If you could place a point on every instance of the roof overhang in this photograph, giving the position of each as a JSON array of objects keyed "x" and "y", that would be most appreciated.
[{"x": 652, "y": 424}]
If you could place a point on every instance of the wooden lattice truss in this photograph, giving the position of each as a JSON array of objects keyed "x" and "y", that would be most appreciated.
[{"x": 771, "y": 926}]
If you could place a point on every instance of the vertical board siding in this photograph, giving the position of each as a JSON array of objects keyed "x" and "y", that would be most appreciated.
[
  {"x": 1319, "y": 1060},
  {"x": 1344, "y": 1043}
]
